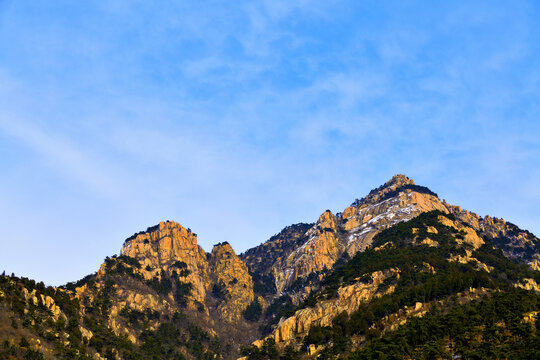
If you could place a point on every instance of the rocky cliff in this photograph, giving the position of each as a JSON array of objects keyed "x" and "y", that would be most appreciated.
[
  {"x": 162, "y": 273},
  {"x": 171, "y": 248},
  {"x": 260, "y": 259},
  {"x": 432, "y": 262},
  {"x": 398, "y": 200},
  {"x": 319, "y": 289},
  {"x": 230, "y": 275},
  {"x": 348, "y": 298},
  {"x": 352, "y": 230}
]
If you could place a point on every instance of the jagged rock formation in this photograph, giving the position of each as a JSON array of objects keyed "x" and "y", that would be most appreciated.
[
  {"x": 513, "y": 241},
  {"x": 320, "y": 251},
  {"x": 323, "y": 312},
  {"x": 396, "y": 254},
  {"x": 352, "y": 230},
  {"x": 231, "y": 275},
  {"x": 348, "y": 298},
  {"x": 398, "y": 200},
  {"x": 164, "y": 271},
  {"x": 260, "y": 259},
  {"x": 166, "y": 244}
]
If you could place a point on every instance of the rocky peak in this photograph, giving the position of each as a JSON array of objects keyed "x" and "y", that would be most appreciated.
[
  {"x": 222, "y": 250},
  {"x": 327, "y": 220},
  {"x": 399, "y": 199},
  {"x": 168, "y": 243},
  {"x": 398, "y": 183},
  {"x": 515, "y": 243},
  {"x": 399, "y": 180},
  {"x": 320, "y": 251},
  {"x": 232, "y": 281}
]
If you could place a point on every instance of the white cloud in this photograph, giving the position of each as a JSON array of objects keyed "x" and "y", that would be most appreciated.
[{"x": 65, "y": 156}]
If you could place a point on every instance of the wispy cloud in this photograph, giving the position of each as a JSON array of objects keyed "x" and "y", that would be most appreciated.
[
  {"x": 61, "y": 154},
  {"x": 237, "y": 119}
]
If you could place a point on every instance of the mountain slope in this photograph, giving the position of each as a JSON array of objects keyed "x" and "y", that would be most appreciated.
[
  {"x": 347, "y": 285},
  {"x": 430, "y": 264}
]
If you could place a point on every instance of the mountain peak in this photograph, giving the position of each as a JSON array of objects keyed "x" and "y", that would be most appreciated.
[
  {"x": 165, "y": 242},
  {"x": 399, "y": 180},
  {"x": 223, "y": 247},
  {"x": 396, "y": 184},
  {"x": 327, "y": 219},
  {"x": 163, "y": 227}
]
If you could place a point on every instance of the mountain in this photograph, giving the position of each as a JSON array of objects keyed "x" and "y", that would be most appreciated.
[{"x": 397, "y": 274}]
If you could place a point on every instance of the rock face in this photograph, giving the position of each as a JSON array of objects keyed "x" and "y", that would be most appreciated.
[
  {"x": 320, "y": 251},
  {"x": 353, "y": 230},
  {"x": 231, "y": 275},
  {"x": 346, "y": 295},
  {"x": 260, "y": 259},
  {"x": 513, "y": 241},
  {"x": 398, "y": 200},
  {"x": 348, "y": 299},
  {"x": 164, "y": 271},
  {"x": 167, "y": 244},
  {"x": 164, "y": 284},
  {"x": 307, "y": 250}
]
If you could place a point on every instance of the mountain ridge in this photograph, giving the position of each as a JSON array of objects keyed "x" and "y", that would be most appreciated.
[{"x": 277, "y": 295}]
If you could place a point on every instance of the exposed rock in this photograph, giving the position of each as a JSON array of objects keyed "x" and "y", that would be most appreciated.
[
  {"x": 531, "y": 317},
  {"x": 529, "y": 284},
  {"x": 398, "y": 200},
  {"x": 470, "y": 236},
  {"x": 513, "y": 241},
  {"x": 261, "y": 258},
  {"x": 535, "y": 262},
  {"x": 165, "y": 244},
  {"x": 348, "y": 299},
  {"x": 314, "y": 349},
  {"x": 47, "y": 301},
  {"x": 142, "y": 295},
  {"x": 319, "y": 252},
  {"x": 232, "y": 273},
  {"x": 86, "y": 333},
  {"x": 365, "y": 219},
  {"x": 353, "y": 230}
]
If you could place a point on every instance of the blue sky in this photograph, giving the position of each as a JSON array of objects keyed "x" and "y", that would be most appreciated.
[{"x": 239, "y": 118}]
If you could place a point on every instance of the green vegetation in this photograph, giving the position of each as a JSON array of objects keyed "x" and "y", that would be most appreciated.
[
  {"x": 253, "y": 311},
  {"x": 174, "y": 338},
  {"x": 164, "y": 342},
  {"x": 492, "y": 328},
  {"x": 269, "y": 351},
  {"x": 425, "y": 275},
  {"x": 263, "y": 284},
  {"x": 526, "y": 249},
  {"x": 280, "y": 307},
  {"x": 161, "y": 285},
  {"x": 401, "y": 270},
  {"x": 219, "y": 291},
  {"x": 182, "y": 266},
  {"x": 181, "y": 293},
  {"x": 20, "y": 351}
]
